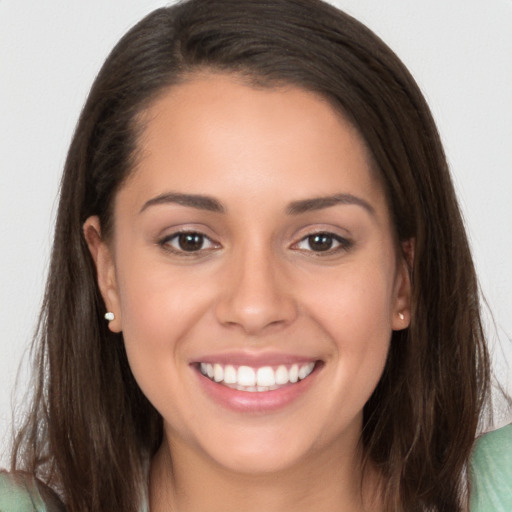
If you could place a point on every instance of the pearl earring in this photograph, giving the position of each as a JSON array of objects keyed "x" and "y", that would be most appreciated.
[
  {"x": 109, "y": 316},
  {"x": 401, "y": 316}
]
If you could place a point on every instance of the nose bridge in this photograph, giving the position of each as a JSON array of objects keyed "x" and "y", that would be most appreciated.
[{"x": 255, "y": 295}]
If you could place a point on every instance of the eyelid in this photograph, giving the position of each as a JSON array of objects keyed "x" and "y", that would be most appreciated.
[
  {"x": 165, "y": 240},
  {"x": 344, "y": 243},
  {"x": 340, "y": 243}
]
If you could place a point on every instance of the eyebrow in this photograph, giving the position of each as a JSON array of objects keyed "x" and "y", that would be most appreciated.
[
  {"x": 211, "y": 204},
  {"x": 192, "y": 200},
  {"x": 319, "y": 203}
]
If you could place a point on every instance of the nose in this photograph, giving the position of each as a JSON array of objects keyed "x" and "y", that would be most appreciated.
[{"x": 256, "y": 296}]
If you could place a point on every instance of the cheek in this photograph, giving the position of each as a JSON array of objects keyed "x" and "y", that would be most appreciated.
[
  {"x": 354, "y": 309},
  {"x": 362, "y": 333},
  {"x": 156, "y": 297},
  {"x": 156, "y": 315},
  {"x": 354, "y": 303},
  {"x": 156, "y": 309}
]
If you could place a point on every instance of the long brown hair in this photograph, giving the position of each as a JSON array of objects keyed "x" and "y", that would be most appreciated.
[{"x": 91, "y": 431}]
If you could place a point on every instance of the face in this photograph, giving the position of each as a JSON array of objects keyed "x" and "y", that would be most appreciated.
[{"x": 254, "y": 274}]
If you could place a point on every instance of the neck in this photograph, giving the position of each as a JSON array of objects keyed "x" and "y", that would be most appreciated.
[{"x": 190, "y": 482}]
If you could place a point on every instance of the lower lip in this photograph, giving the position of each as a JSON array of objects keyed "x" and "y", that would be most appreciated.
[{"x": 256, "y": 402}]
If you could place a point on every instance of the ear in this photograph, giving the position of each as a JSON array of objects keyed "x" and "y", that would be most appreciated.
[
  {"x": 105, "y": 269},
  {"x": 402, "y": 306}
]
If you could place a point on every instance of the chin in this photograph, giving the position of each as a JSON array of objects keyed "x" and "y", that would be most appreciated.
[
  {"x": 259, "y": 454},
  {"x": 258, "y": 462}
]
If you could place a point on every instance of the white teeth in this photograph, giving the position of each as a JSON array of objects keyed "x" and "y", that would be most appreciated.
[
  {"x": 294, "y": 373},
  {"x": 282, "y": 376},
  {"x": 305, "y": 370},
  {"x": 265, "y": 378},
  {"x": 218, "y": 373},
  {"x": 230, "y": 376},
  {"x": 246, "y": 376}
]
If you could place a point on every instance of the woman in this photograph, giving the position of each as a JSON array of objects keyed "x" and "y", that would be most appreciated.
[{"x": 260, "y": 278}]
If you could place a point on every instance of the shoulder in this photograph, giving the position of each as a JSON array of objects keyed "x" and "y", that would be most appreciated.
[
  {"x": 21, "y": 492},
  {"x": 491, "y": 472}
]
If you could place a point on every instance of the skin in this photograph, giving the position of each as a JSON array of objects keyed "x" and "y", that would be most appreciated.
[{"x": 256, "y": 286}]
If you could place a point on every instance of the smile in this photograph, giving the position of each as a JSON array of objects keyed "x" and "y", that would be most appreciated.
[{"x": 262, "y": 379}]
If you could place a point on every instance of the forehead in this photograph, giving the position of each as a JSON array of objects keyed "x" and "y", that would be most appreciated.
[{"x": 217, "y": 135}]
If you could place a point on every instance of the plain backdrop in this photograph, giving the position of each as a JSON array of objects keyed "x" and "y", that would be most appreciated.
[{"x": 460, "y": 52}]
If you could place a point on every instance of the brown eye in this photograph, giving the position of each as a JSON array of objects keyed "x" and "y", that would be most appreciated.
[
  {"x": 188, "y": 242},
  {"x": 323, "y": 242},
  {"x": 320, "y": 242}
]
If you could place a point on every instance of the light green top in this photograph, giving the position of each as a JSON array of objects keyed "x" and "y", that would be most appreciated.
[
  {"x": 490, "y": 470},
  {"x": 21, "y": 492}
]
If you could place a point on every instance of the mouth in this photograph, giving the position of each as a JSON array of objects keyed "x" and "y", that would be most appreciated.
[{"x": 257, "y": 379}]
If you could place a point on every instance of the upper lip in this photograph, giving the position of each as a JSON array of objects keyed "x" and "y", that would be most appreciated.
[{"x": 254, "y": 360}]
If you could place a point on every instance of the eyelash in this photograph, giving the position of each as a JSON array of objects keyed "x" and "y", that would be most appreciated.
[
  {"x": 325, "y": 237},
  {"x": 167, "y": 241},
  {"x": 343, "y": 244}
]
